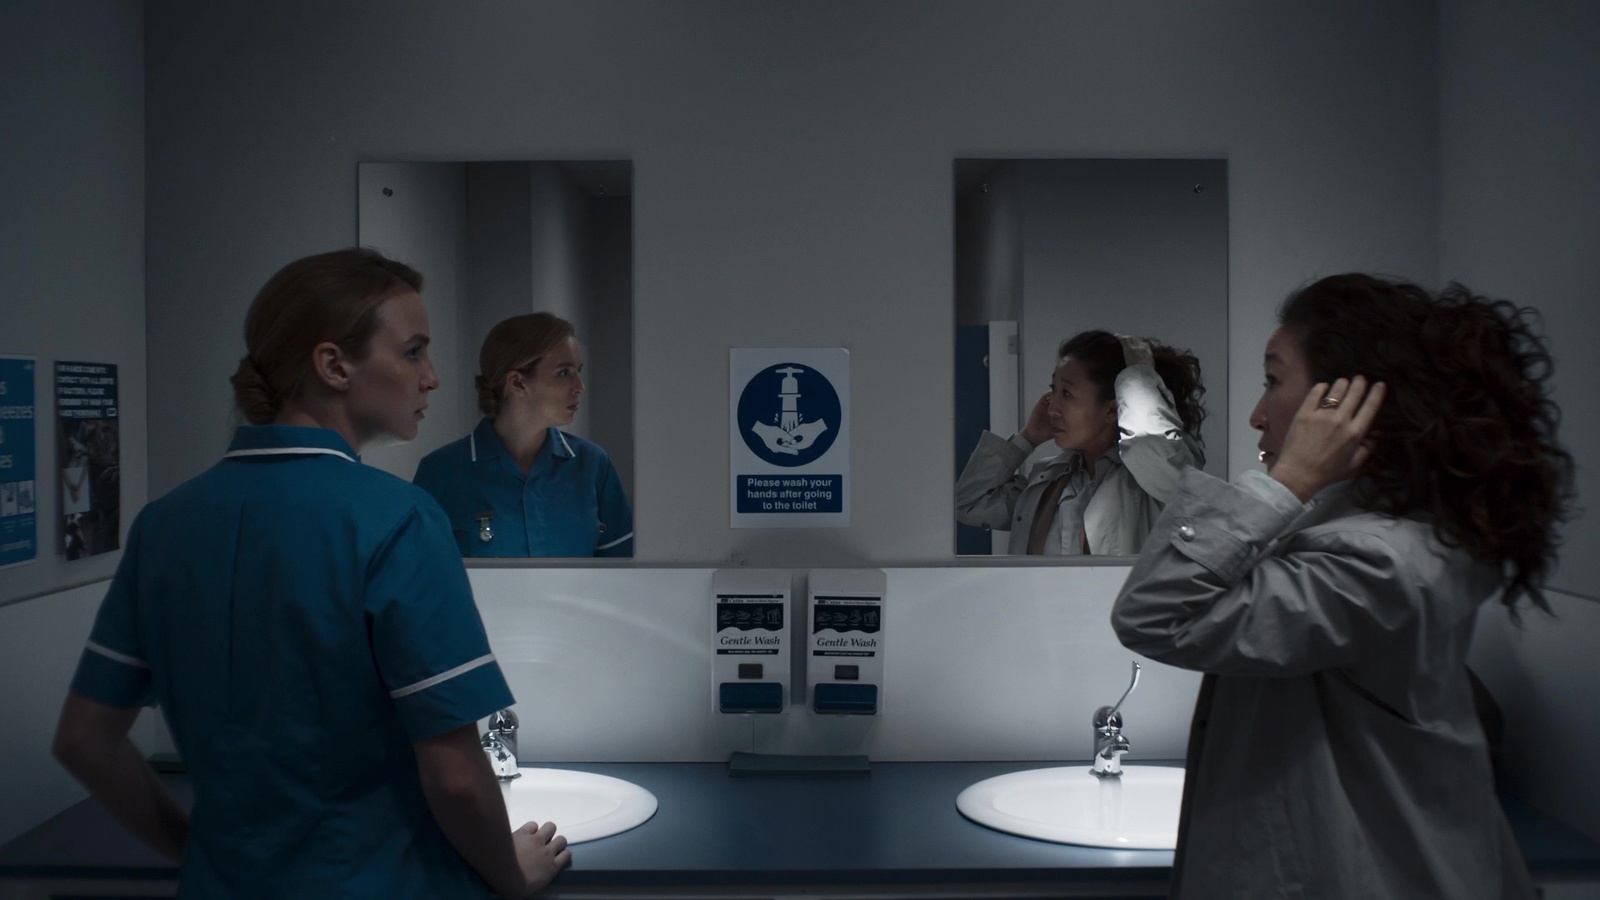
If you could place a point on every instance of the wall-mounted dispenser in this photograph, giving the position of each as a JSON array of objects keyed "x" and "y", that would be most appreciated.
[
  {"x": 844, "y": 665},
  {"x": 750, "y": 641}
]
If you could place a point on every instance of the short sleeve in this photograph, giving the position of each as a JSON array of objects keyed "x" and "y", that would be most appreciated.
[
  {"x": 114, "y": 668},
  {"x": 427, "y": 639},
  {"x": 616, "y": 514}
]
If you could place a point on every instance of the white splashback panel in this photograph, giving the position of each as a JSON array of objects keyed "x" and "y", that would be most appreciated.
[{"x": 985, "y": 663}]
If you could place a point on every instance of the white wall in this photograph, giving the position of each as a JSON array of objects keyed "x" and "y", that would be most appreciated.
[
  {"x": 72, "y": 238},
  {"x": 791, "y": 186},
  {"x": 615, "y": 665},
  {"x": 1520, "y": 200}
]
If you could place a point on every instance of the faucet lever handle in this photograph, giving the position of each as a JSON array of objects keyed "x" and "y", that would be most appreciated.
[
  {"x": 1111, "y": 717},
  {"x": 503, "y": 722}
]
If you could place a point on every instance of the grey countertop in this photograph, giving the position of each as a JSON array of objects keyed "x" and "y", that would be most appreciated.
[{"x": 897, "y": 827}]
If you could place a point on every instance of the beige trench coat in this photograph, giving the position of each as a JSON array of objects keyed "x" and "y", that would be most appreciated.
[
  {"x": 1142, "y": 471},
  {"x": 1335, "y": 750}
]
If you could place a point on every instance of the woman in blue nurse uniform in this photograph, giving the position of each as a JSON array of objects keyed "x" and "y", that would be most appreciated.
[
  {"x": 308, "y": 630},
  {"x": 1413, "y": 474},
  {"x": 518, "y": 485}
]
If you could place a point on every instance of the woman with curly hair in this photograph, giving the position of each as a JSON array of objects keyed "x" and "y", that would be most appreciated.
[
  {"x": 1412, "y": 474},
  {"x": 1126, "y": 414}
]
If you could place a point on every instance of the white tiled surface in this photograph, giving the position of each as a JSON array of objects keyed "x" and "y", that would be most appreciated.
[{"x": 980, "y": 663}]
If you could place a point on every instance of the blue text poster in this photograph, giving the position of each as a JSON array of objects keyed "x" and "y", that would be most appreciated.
[
  {"x": 789, "y": 437},
  {"x": 19, "y": 492},
  {"x": 89, "y": 458}
]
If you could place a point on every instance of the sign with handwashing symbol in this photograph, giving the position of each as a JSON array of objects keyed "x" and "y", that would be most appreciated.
[
  {"x": 788, "y": 414},
  {"x": 789, "y": 437}
]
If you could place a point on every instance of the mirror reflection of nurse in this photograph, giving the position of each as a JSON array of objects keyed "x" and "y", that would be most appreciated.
[
  {"x": 1126, "y": 416},
  {"x": 518, "y": 485}
]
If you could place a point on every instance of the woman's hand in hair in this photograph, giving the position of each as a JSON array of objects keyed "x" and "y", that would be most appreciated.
[
  {"x": 1326, "y": 444},
  {"x": 1136, "y": 351},
  {"x": 1038, "y": 429}
]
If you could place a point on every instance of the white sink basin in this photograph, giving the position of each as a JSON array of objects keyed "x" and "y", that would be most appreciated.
[
  {"x": 584, "y": 806},
  {"x": 1067, "y": 805}
]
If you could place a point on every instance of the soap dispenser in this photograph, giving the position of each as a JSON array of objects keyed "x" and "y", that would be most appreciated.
[
  {"x": 750, "y": 641},
  {"x": 844, "y": 666}
]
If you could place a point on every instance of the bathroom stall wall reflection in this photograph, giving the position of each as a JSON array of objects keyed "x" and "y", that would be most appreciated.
[
  {"x": 499, "y": 239},
  {"x": 1045, "y": 249}
]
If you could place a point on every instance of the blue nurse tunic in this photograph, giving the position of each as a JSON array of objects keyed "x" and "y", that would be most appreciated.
[
  {"x": 570, "y": 503},
  {"x": 302, "y": 619}
]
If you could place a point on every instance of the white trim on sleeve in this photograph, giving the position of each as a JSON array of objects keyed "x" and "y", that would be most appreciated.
[
  {"x": 626, "y": 537},
  {"x": 113, "y": 655},
  {"x": 442, "y": 677}
]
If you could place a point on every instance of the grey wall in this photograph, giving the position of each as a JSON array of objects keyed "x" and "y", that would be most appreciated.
[
  {"x": 72, "y": 236},
  {"x": 1520, "y": 139},
  {"x": 1128, "y": 246},
  {"x": 71, "y": 287},
  {"x": 422, "y": 221},
  {"x": 499, "y": 251},
  {"x": 608, "y": 372},
  {"x": 791, "y": 187}
]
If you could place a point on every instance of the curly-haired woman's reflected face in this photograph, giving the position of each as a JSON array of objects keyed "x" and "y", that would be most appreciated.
[
  {"x": 1081, "y": 420},
  {"x": 1288, "y": 380}
]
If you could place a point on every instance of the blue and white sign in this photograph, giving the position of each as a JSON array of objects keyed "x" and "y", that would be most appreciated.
[
  {"x": 789, "y": 437},
  {"x": 19, "y": 489}
]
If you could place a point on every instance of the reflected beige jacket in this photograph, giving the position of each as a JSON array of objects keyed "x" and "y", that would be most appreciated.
[
  {"x": 1335, "y": 750},
  {"x": 1127, "y": 494}
]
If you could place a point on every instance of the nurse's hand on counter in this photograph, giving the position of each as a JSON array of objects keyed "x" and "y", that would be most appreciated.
[{"x": 542, "y": 854}]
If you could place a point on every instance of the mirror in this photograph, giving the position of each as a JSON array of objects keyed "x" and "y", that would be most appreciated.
[
  {"x": 1046, "y": 249},
  {"x": 501, "y": 239}
]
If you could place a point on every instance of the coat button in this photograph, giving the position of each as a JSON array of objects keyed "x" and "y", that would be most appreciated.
[{"x": 1186, "y": 532}]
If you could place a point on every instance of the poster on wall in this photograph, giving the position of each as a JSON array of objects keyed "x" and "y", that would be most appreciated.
[
  {"x": 88, "y": 456},
  {"x": 19, "y": 519},
  {"x": 789, "y": 437}
]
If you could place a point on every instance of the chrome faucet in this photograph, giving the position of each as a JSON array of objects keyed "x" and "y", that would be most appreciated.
[
  {"x": 1109, "y": 742},
  {"x": 500, "y": 742}
]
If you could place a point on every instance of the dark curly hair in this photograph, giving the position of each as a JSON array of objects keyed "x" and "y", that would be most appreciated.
[
  {"x": 1467, "y": 430},
  {"x": 1101, "y": 354}
]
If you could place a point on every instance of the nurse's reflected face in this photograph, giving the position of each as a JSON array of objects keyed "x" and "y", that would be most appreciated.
[
  {"x": 389, "y": 386},
  {"x": 1288, "y": 380},
  {"x": 1079, "y": 418},
  {"x": 552, "y": 390}
]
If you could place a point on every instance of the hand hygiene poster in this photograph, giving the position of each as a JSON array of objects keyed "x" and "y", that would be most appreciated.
[
  {"x": 789, "y": 437},
  {"x": 88, "y": 453},
  {"x": 19, "y": 519}
]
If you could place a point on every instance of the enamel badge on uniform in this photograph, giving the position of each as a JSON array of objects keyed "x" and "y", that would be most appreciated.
[{"x": 485, "y": 533}]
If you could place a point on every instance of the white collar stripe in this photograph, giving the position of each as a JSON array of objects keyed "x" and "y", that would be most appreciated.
[
  {"x": 289, "y": 451},
  {"x": 564, "y": 443},
  {"x": 472, "y": 442},
  {"x": 442, "y": 677},
  {"x": 628, "y": 536},
  {"x": 123, "y": 658}
]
